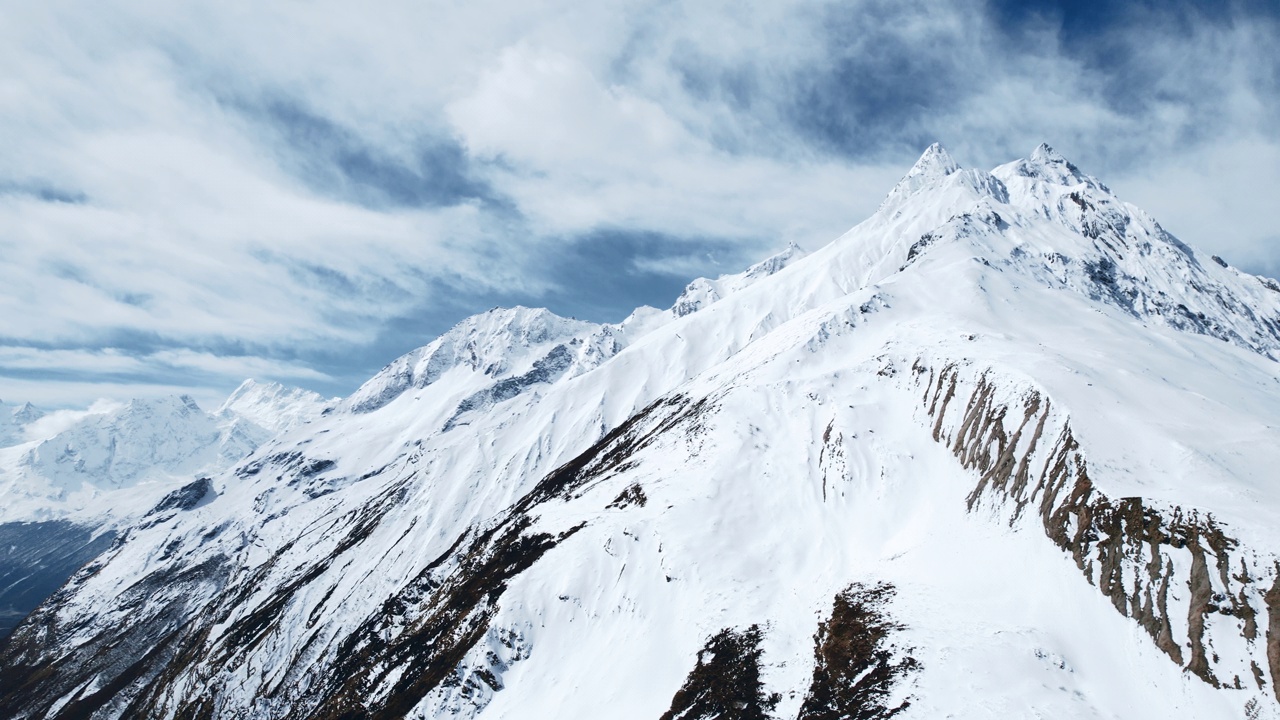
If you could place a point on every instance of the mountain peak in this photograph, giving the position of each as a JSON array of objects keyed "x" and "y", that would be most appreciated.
[
  {"x": 26, "y": 413},
  {"x": 934, "y": 166},
  {"x": 272, "y": 406},
  {"x": 1052, "y": 165},
  {"x": 705, "y": 291},
  {"x": 502, "y": 330},
  {"x": 934, "y": 162},
  {"x": 1049, "y": 165},
  {"x": 252, "y": 392},
  {"x": 490, "y": 343},
  {"x": 774, "y": 263},
  {"x": 246, "y": 387},
  {"x": 1044, "y": 153},
  {"x": 165, "y": 405}
]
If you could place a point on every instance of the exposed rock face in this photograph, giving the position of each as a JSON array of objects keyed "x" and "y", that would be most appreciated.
[
  {"x": 1175, "y": 571},
  {"x": 184, "y": 498},
  {"x": 856, "y": 667},
  {"x": 726, "y": 681},
  {"x": 858, "y": 672}
]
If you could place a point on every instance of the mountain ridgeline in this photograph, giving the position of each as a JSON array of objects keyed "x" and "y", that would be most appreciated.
[{"x": 1007, "y": 448}]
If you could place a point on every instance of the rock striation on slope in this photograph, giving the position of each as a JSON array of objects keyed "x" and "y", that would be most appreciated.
[{"x": 1005, "y": 448}]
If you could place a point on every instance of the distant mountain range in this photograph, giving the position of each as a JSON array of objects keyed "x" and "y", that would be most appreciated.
[{"x": 70, "y": 481}]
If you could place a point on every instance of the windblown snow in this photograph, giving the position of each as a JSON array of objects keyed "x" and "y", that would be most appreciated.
[{"x": 1005, "y": 449}]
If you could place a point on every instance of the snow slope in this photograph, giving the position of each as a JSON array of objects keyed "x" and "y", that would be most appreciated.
[
  {"x": 1003, "y": 449},
  {"x": 271, "y": 406}
]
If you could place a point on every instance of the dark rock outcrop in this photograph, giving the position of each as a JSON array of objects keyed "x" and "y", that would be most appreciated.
[
  {"x": 856, "y": 668},
  {"x": 725, "y": 682}
]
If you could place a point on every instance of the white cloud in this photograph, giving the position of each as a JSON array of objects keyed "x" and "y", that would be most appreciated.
[
  {"x": 75, "y": 395},
  {"x": 233, "y": 366},
  {"x": 1219, "y": 196},
  {"x": 57, "y": 421},
  {"x": 148, "y": 192}
]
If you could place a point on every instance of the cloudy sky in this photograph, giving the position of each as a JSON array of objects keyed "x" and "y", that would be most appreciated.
[{"x": 301, "y": 191}]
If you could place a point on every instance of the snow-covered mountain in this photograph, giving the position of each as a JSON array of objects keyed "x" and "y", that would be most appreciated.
[
  {"x": 1005, "y": 449},
  {"x": 116, "y": 461},
  {"x": 271, "y": 406},
  {"x": 70, "y": 480},
  {"x": 703, "y": 291},
  {"x": 13, "y": 421}
]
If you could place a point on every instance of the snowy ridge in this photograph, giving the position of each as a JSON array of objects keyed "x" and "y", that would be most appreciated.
[
  {"x": 1004, "y": 449},
  {"x": 272, "y": 406},
  {"x": 703, "y": 291},
  {"x": 491, "y": 344},
  {"x": 501, "y": 353}
]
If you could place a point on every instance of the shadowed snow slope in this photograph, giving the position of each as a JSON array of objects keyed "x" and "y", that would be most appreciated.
[{"x": 1005, "y": 449}]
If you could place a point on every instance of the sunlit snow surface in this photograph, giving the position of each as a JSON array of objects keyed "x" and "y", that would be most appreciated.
[{"x": 810, "y": 464}]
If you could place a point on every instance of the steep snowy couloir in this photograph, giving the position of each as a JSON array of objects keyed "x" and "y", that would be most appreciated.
[{"x": 1006, "y": 448}]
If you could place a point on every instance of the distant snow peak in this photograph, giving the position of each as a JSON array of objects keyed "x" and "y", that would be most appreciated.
[
  {"x": 71, "y": 461},
  {"x": 934, "y": 162},
  {"x": 775, "y": 263},
  {"x": 145, "y": 439},
  {"x": 1048, "y": 165},
  {"x": 272, "y": 406},
  {"x": 1046, "y": 154},
  {"x": 14, "y": 420},
  {"x": 703, "y": 291},
  {"x": 27, "y": 413},
  {"x": 514, "y": 326},
  {"x": 493, "y": 343}
]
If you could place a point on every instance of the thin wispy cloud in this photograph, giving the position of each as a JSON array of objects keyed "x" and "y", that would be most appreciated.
[{"x": 301, "y": 192}]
